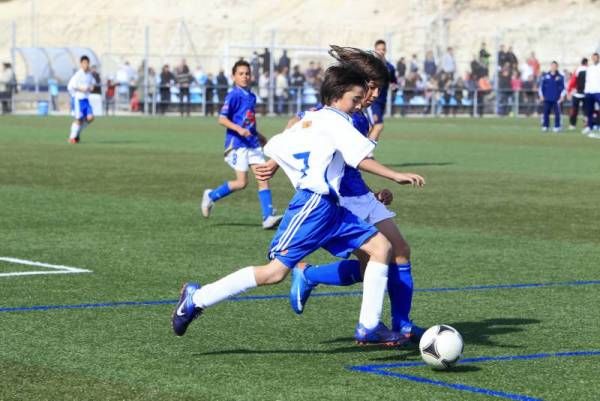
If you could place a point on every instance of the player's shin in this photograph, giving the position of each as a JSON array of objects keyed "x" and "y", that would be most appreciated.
[
  {"x": 400, "y": 291},
  {"x": 266, "y": 202},
  {"x": 229, "y": 286},
  {"x": 341, "y": 273},
  {"x": 374, "y": 285},
  {"x": 220, "y": 192},
  {"x": 74, "y": 130}
]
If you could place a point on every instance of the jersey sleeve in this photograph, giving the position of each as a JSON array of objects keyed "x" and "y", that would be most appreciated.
[
  {"x": 230, "y": 105},
  {"x": 351, "y": 144},
  {"x": 72, "y": 85}
]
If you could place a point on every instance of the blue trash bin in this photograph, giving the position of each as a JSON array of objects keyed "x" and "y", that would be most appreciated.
[{"x": 42, "y": 108}]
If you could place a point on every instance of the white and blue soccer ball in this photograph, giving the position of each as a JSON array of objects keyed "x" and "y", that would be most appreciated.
[{"x": 441, "y": 346}]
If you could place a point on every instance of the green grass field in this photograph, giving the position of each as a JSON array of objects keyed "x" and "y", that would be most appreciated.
[{"x": 504, "y": 205}]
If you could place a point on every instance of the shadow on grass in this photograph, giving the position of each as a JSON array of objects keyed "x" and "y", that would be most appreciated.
[
  {"x": 420, "y": 164},
  {"x": 480, "y": 332},
  {"x": 340, "y": 350}
]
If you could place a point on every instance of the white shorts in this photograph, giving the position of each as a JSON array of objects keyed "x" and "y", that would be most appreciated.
[
  {"x": 367, "y": 207},
  {"x": 241, "y": 158}
]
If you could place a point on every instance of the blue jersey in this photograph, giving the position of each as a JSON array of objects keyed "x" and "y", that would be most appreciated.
[
  {"x": 352, "y": 183},
  {"x": 239, "y": 109},
  {"x": 383, "y": 92}
]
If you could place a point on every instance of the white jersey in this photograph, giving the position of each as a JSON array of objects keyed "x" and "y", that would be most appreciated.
[
  {"x": 81, "y": 84},
  {"x": 592, "y": 79},
  {"x": 313, "y": 151}
]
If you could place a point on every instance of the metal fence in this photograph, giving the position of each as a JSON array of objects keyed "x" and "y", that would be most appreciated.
[{"x": 207, "y": 100}]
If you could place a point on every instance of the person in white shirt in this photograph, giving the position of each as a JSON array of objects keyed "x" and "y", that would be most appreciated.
[
  {"x": 314, "y": 161},
  {"x": 592, "y": 92},
  {"x": 79, "y": 87},
  {"x": 448, "y": 63}
]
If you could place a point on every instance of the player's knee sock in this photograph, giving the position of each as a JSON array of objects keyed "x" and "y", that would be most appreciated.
[
  {"x": 266, "y": 202},
  {"x": 345, "y": 272},
  {"x": 74, "y": 130},
  {"x": 220, "y": 192},
  {"x": 400, "y": 291},
  {"x": 373, "y": 291},
  {"x": 229, "y": 286},
  {"x": 82, "y": 126}
]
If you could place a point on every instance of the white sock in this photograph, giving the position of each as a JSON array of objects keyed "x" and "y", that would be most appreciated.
[
  {"x": 374, "y": 284},
  {"x": 229, "y": 286},
  {"x": 74, "y": 130}
]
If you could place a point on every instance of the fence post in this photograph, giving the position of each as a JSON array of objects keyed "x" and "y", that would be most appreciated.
[
  {"x": 475, "y": 103},
  {"x": 516, "y": 103}
]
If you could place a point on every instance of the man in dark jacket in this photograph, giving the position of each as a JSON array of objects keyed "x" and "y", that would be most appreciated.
[{"x": 552, "y": 90}]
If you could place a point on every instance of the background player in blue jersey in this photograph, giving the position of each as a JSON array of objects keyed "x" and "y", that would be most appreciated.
[
  {"x": 314, "y": 161},
  {"x": 243, "y": 146},
  {"x": 356, "y": 196},
  {"x": 80, "y": 85},
  {"x": 377, "y": 109}
]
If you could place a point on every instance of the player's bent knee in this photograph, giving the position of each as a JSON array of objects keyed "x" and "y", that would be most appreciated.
[{"x": 379, "y": 248}]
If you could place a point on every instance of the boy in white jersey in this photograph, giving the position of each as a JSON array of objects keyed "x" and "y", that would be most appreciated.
[
  {"x": 314, "y": 162},
  {"x": 79, "y": 87}
]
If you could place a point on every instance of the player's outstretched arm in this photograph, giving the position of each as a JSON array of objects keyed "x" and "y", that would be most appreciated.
[
  {"x": 374, "y": 167},
  {"x": 227, "y": 123}
]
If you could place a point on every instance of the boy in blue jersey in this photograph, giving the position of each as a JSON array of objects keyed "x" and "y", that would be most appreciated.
[
  {"x": 80, "y": 85},
  {"x": 377, "y": 108},
  {"x": 358, "y": 198},
  {"x": 313, "y": 154},
  {"x": 243, "y": 146},
  {"x": 552, "y": 92}
]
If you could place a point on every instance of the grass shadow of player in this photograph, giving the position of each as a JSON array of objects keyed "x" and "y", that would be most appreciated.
[
  {"x": 354, "y": 348},
  {"x": 482, "y": 332},
  {"x": 420, "y": 164}
]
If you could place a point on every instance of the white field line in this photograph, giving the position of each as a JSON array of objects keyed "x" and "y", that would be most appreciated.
[{"x": 58, "y": 269}]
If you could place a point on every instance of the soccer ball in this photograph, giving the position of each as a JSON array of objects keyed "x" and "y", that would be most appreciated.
[{"x": 441, "y": 346}]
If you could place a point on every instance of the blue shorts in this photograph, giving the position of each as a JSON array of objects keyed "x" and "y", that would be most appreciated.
[
  {"x": 377, "y": 111},
  {"x": 81, "y": 108},
  {"x": 314, "y": 221}
]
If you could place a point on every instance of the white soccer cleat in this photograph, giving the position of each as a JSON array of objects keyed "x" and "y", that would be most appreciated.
[
  {"x": 586, "y": 131},
  {"x": 556, "y": 129},
  {"x": 544, "y": 129},
  {"x": 271, "y": 222},
  {"x": 571, "y": 128},
  {"x": 593, "y": 136},
  {"x": 207, "y": 203}
]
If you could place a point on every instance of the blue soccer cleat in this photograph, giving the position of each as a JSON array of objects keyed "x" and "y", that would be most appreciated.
[
  {"x": 412, "y": 332},
  {"x": 379, "y": 335},
  {"x": 300, "y": 289},
  {"x": 185, "y": 311}
]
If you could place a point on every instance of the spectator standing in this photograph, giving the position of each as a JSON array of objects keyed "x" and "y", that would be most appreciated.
[
  {"x": 377, "y": 108},
  {"x": 529, "y": 91},
  {"x": 448, "y": 63},
  {"x": 534, "y": 64},
  {"x": 266, "y": 57},
  {"x": 255, "y": 68},
  {"x": 281, "y": 90},
  {"x": 511, "y": 58},
  {"x": 109, "y": 96},
  {"x": 222, "y": 87},
  {"x": 592, "y": 91},
  {"x": 166, "y": 80},
  {"x": 401, "y": 69},
  {"x": 297, "y": 81},
  {"x": 263, "y": 88},
  {"x": 576, "y": 92},
  {"x": 284, "y": 62},
  {"x": 502, "y": 57},
  {"x": 552, "y": 90},
  {"x": 97, "y": 89},
  {"x": 429, "y": 67},
  {"x": 504, "y": 89},
  {"x": 184, "y": 79},
  {"x": 8, "y": 86},
  {"x": 143, "y": 91},
  {"x": 53, "y": 91},
  {"x": 484, "y": 56},
  {"x": 414, "y": 63},
  {"x": 484, "y": 87},
  {"x": 478, "y": 70},
  {"x": 210, "y": 95}
]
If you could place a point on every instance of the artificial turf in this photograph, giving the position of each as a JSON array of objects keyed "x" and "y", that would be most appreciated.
[{"x": 504, "y": 204}]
